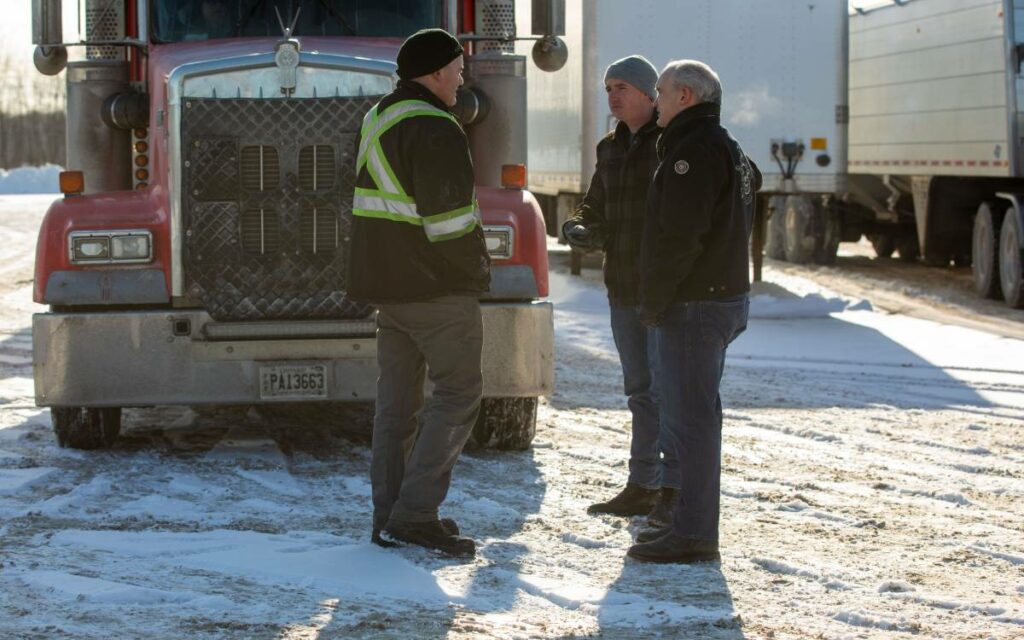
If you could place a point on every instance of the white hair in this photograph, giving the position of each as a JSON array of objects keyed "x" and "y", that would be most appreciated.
[{"x": 695, "y": 76}]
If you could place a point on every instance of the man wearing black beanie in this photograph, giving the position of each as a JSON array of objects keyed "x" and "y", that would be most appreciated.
[{"x": 418, "y": 255}]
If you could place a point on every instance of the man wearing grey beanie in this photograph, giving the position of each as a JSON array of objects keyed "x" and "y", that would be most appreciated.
[{"x": 611, "y": 218}]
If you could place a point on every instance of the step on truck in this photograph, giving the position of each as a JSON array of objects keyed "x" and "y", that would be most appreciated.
[
  {"x": 198, "y": 254},
  {"x": 936, "y": 162},
  {"x": 783, "y": 69}
]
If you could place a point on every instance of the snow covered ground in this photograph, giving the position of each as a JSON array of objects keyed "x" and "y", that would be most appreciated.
[{"x": 873, "y": 488}]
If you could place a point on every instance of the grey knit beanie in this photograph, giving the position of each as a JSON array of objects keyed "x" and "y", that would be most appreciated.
[{"x": 637, "y": 71}]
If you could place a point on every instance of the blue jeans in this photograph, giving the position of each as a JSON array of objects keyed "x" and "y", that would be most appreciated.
[
  {"x": 638, "y": 353},
  {"x": 692, "y": 340}
]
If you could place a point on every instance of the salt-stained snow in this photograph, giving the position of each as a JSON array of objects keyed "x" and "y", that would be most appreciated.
[{"x": 873, "y": 487}]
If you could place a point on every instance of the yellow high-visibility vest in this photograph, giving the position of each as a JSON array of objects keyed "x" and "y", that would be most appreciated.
[{"x": 389, "y": 201}]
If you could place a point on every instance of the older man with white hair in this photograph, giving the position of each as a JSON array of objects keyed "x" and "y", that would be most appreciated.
[{"x": 693, "y": 288}]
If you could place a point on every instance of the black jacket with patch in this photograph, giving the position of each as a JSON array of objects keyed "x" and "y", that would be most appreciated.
[
  {"x": 615, "y": 203},
  {"x": 699, "y": 214},
  {"x": 394, "y": 261}
]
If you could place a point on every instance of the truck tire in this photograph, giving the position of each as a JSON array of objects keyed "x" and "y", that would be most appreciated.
[
  {"x": 985, "y": 250},
  {"x": 884, "y": 244},
  {"x": 775, "y": 234},
  {"x": 86, "y": 427},
  {"x": 829, "y": 233},
  {"x": 507, "y": 424},
  {"x": 799, "y": 225},
  {"x": 1011, "y": 278}
]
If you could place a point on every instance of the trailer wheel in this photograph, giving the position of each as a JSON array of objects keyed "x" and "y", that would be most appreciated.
[
  {"x": 985, "y": 249},
  {"x": 907, "y": 247},
  {"x": 1010, "y": 264},
  {"x": 884, "y": 244},
  {"x": 829, "y": 234},
  {"x": 799, "y": 223},
  {"x": 86, "y": 427},
  {"x": 775, "y": 238},
  {"x": 505, "y": 424}
]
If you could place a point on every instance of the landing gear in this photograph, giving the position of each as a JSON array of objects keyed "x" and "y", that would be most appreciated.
[
  {"x": 506, "y": 424},
  {"x": 775, "y": 237},
  {"x": 86, "y": 427},
  {"x": 884, "y": 244}
]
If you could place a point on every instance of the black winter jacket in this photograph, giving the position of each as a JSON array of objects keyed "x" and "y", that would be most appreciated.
[
  {"x": 394, "y": 261},
  {"x": 699, "y": 214},
  {"x": 615, "y": 204}
]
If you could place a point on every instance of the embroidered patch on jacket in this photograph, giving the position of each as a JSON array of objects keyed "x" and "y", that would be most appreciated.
[{"x": 681, "y": 167}]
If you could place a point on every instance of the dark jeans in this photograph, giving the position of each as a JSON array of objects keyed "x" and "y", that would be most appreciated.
[
  {"x": 638, "y": 353},
  {"x": 411, "y": 468},
  {"x": 692, "y": 340}
]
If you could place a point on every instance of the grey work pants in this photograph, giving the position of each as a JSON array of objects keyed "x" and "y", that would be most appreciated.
[{"x": 410, "y": 472}]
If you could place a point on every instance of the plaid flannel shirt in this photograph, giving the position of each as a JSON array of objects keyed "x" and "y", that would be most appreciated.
[{"x": 615, "y": 205}]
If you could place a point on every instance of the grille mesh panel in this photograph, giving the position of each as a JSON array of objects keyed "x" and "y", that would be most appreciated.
[{"x": 237, "y": 268}]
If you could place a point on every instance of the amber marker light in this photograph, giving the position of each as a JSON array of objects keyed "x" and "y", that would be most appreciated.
[
  {"x": 819, "y": 144},
  {"x": 513, "y": 176},
  {"x": 141, "y": 161},
  {"x": 72, "y": 183},
  {"x": 141, "y": 147},
  {"x": 141, "y": 174}
]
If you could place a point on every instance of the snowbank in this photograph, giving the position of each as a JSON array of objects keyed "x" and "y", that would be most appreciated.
[{"x": 30, "y": 180}]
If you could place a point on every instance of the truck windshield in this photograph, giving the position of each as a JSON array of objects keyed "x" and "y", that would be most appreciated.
[{"x": 180, "y": 20}]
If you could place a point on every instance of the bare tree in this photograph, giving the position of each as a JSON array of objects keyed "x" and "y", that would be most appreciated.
[{"x": 32, "y": 121}]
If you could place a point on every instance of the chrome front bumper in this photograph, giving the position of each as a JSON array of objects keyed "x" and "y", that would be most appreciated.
[{"x": 139, "y": 358}]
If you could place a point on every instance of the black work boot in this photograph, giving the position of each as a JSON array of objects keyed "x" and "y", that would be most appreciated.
[
  {"x": 650, "y": 534},
  {"x": 432, "y": 535},
  {"x": 661, "y": 514},
  {"x": 634, "y": 500},
  {"x": 674, "y": 549},
  {"x": 450, "y": 526}
]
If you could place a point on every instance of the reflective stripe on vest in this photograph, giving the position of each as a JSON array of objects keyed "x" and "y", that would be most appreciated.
[{"x": 390, "y": 201}]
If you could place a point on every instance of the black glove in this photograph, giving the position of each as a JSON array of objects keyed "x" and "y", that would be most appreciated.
[
  {"x": 651, "y": 318},
  {"x": 577, "y": 236}
]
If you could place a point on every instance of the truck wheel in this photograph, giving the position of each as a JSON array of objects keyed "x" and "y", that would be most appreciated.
[
  {"x": 907, "y": 247},
  {"x": 506, "y": 424},
  {"x": 884, "y": 244},
  {"x": 985, "y": 249},
  {"x": 1010, "y": 264},
  {"x": 775, "y": 235},
  {"x": 799, "y": 223},
  {"x": 829, "y": 234},
  {"x": 86, "y": 427}
]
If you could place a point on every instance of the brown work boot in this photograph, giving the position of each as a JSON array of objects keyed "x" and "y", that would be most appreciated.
[
  {"x": 432, "y": 535},
  {"x": 674, "y": 549},
  {"x": 661, "y": 514},
  {"x": 634, "y": 500}
]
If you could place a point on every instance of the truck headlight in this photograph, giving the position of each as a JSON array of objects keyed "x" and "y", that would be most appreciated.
[
  {"x": 90, "y": 249},
  {"x": 130, "y": 247},
  {"x": 105, "y": 247},
  {"x": 500, "y": 241}
]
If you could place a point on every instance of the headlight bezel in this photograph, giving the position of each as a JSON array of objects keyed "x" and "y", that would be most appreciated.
[
  {"x": 506, "y": 236},
  {"x": 107, "y": 239}
]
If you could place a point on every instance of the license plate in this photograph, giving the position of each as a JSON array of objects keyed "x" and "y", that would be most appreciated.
[{"x": 293, "y": 381}]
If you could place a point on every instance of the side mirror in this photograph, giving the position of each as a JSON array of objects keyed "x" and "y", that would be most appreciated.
[
  {"x": 47, "y": 21},
  {"x": 550, "y": 53},
  {"x": 548, "y": 17}
]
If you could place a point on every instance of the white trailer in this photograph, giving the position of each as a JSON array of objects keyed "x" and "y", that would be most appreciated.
[
  {"x": 936, "y": 159},
  {"x": 783, "y": 68}
]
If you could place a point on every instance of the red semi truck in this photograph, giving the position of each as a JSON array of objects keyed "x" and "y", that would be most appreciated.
[{"x": 198, "y": 254}]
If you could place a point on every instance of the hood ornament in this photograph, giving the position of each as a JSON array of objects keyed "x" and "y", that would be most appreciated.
[{"x": 286, "y": 54}]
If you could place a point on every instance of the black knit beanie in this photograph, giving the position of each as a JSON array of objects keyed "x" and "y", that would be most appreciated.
[{"x": 425, "y": 52}]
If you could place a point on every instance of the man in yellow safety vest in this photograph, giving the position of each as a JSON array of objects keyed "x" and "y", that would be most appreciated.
[{"x": 418, "y": 255}]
